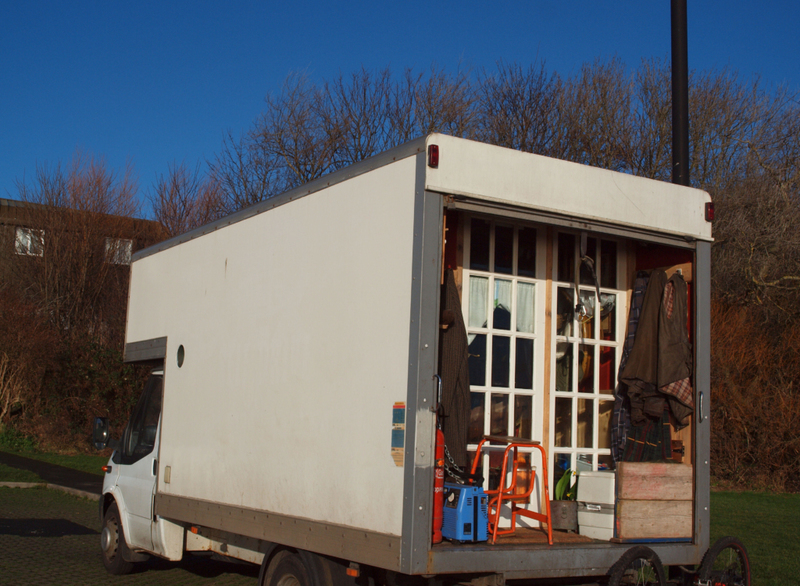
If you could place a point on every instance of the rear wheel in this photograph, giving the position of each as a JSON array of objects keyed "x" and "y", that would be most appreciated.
[
  {"x": 112, "y": 542},
  {"x": 640, "y": 566},
  {"x": 289, "y": 571},
  {"x": 726, "y": 564}
]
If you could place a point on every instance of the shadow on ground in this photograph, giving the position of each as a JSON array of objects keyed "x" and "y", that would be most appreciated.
[
  {"x": 43, "y": 528},
  {"x": 201, "y": 565}
]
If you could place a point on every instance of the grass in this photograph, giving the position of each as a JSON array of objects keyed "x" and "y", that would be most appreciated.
[
  {"x": 14, "y": 442},
  {"x": 769, "y": 527},
  {"x": 85, "y": 462},
  {"x": 9, "y": 474}
]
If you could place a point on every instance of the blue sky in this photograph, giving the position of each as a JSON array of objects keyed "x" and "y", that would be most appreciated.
[{"x": 152, "y": 83}]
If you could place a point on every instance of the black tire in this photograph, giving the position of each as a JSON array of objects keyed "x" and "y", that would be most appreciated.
[
  {"x": 112, "y": 543},
  {"x": 289, "y": 571},
  {"x": 639, "y": 565},
  {"x": 726, "y": 564}
]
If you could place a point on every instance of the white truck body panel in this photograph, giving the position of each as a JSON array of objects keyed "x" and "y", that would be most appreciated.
[
  {"x": 292, "y": 360},
  {"x": 567, "y": 189}
]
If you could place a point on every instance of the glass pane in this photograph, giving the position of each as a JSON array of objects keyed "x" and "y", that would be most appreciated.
[
  {"x": 586, "y": 369},
  {"x": 523, "y": 371},
  {"x": 561, "y": 463},
  {"x": 565, "y": 306},
  {"x": 585, "y": 462},
  {"x": 563, "y": 367},
  {"x": 501, "y": 318},
  {"x": 478, "y": 302},
  {"x": 526, "y": 262},
  {"x": 526, "y": 307},
  {"x": 479, "y": 245},
  {"x": 586, "y": 316},
  {"x": 498, "y": 419},
  {"x": 604, "y": 411},
  {"x": 563, "y": 427},
  {"x": 566, "y": 258},
  {"x": 608, "y": 316},
  {"x": 501, "y": 353},
  {"x": 141, "y": 440},
  {"x": 608, "y": 370},
  {"x": 586, "y": 272},
  {"x": 503, "y": 249},
  {"x": 523, "y": 474},
  {"x": 523, "y": 416},
  {"x": 477, "y": 413},
  {"x": 605, "y": 462},
  {"x": 608, "y": 264},
  {"x": 477, "y": 359},
  {"x": 495, "y": 464},
  {"x": 585, "y": 423}
]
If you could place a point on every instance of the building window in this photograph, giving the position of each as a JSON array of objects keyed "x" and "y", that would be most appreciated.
[
  {"x": 587, "y": 350},
  {"x": 29, "y": 242},
  {"x": 118, "y": 251},
  {"x": 503, "y": 296}
]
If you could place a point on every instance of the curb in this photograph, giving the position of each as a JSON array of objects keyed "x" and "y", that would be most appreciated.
[
  {"x": 66, "y": 489},
  {"x": 23, "y": 484}
]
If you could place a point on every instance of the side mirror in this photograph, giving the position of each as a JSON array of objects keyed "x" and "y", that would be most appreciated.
[{"x": 100, "y": 432}]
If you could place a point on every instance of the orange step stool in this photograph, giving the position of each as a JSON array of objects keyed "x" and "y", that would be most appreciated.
[{"x": 505, "y": 493}]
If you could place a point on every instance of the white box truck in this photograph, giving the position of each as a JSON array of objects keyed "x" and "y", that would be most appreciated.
[{"x": 290, "y": 420}]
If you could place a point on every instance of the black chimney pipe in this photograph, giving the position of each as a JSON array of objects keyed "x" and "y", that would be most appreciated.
[{"x": 680, "y": 95}]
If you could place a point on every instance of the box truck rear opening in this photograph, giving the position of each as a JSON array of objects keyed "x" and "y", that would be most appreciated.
[{"x": 299, "y": 346}]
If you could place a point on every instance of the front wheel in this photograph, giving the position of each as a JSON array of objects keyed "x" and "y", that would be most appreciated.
[
  {"x": 640, "y": 566},
  {"x": 112, "y": 542},
  {"x": 726, "y": 564}
]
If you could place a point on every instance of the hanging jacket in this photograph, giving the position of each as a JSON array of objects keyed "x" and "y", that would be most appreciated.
[{"x": 454, "y": 370}]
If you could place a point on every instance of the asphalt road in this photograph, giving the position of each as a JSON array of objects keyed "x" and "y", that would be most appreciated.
[{"x": 49, "y": 537}]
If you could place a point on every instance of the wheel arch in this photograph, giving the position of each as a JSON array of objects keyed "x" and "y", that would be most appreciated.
[
  {"x": 114, "y": 496},
  {"x": 322, "y": 570}
]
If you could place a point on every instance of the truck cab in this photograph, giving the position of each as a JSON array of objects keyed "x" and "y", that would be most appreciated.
[{"x": 126, "y": 508}]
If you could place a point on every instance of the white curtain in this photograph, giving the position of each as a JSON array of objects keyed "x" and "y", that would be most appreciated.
[
  {"x": 526, "y": 306},
  {"x": 502, "y": 294},
  {"x": 478, "y": 302}
]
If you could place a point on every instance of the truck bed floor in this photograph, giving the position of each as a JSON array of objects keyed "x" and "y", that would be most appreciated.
[{"x": 528, "y": 537}]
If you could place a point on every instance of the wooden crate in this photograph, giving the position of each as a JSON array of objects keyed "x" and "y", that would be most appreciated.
[{"x": 654, "y": 501}]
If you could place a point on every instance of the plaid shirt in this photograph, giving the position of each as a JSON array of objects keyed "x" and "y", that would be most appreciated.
[
  {"x": 681, "y": 390},
  {"x": 650, "y": 442},
  {"x": 668, "y": 300}
]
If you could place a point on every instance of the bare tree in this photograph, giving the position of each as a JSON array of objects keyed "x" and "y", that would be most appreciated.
[
  {"x": 63, "y": 297},
  {"x": 596, "y": 115},
  {"x": 245, "y": 171},
  {"x": 84, "y": 214},
  {"x": 444, "y": 103},
  {"x": 355, "y": 113},
  {"x": 517, "y": 107},
  {"x": 725, "y": 114},
  {"x": 293, "y": 133},
  {"x": 649, "y": 153},
  {"x": 184, "y": 199},
  {"x": 420, "y": 104}
]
